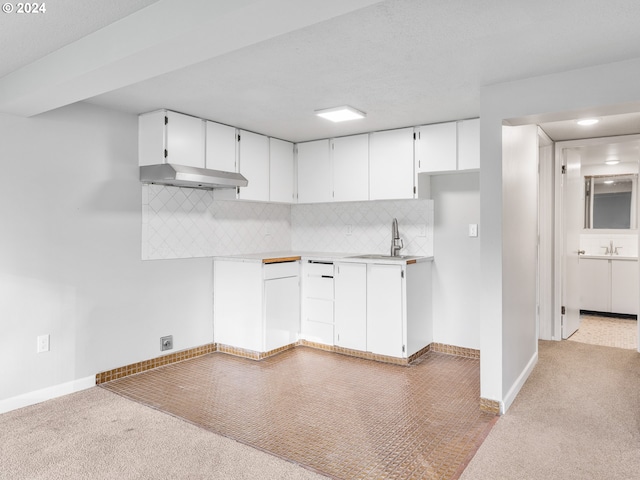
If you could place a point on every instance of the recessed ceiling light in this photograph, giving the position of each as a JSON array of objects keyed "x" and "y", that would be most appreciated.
[
  {"x": 612, "y": 161},
  {"x": 588, "y": 121},
  {"x": 340, "y": 114}
]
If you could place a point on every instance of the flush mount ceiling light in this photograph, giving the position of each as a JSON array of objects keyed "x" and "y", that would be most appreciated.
[
  {"x": 612, "y": 161},
  {"x": 587, "y": 121},
  {"x": 608, "y": 182},
  {"x": 340, "y": 114}
]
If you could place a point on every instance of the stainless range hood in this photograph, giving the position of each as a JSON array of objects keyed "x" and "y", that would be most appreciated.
[{"x": 192, "y": 177}]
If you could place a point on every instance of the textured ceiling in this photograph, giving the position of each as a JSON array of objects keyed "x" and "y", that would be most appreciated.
[
  {"x": 404, "y": 62},
  {"x": 28, "y": 37}
]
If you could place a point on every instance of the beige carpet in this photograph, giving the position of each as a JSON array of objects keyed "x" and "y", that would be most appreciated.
[
  {"x": 95, "y": 434},
  {"x": 577, "y": 417}
]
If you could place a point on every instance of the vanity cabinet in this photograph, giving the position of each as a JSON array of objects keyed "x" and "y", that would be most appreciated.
[
  {"x": 351, "y": 306},
  {"x": 170, "y": 137},
  {"x": 256, "y": 305},
  {"x": 609, "y": 285}
]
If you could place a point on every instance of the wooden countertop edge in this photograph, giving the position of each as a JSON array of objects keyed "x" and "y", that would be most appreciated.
[
  {"x": 409, "y": 262},
  {"x": 281, "y": 259}
]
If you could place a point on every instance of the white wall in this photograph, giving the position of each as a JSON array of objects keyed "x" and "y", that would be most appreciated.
[
  {"x": 600, "y": 90},
  {"x": 456, "y": 265},
  {"x": 70, "y": 205}
]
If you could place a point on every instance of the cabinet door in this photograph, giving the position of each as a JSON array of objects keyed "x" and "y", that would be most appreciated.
[
  {"x": 391, "y": 165},
  {"x": 254, "y": 165},
  {"x": 624, "y": 287},
  {"x": 221, "y": 145},
  {"x": 281, "y": 173},
  {"x": 595, "y": 285},
  {"x": 314, "y": 172},
  {"x": 436, "y": 147},
  {"x": 350, "y": 168},
  {"x": 384, "y": 310},
  {"x": 350, "y": 280},
  {"x": 185, "y": 140},
  {"x": 469, "y": 144},
  {"x": 282, "y": 312}
]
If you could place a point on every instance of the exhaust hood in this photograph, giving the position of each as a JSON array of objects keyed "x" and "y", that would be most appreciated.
[{"x": 192, "y": 177}]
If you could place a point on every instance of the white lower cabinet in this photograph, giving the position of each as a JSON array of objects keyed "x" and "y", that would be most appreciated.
[
  {"x": 609, "y": 285},
  {"x": 385, "y": 332},
  {"x": 383, "y": 308},
  {"x": 351, "y": 305},
  {"x": 256, "y": 306}
]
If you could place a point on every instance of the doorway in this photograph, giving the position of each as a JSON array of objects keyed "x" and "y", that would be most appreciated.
[{"x": 578, "y": 243}]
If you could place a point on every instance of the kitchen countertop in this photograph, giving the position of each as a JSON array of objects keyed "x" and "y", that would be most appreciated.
[
  {"x": 609, "y": 257},
  {"x": 271, "y": 257}
]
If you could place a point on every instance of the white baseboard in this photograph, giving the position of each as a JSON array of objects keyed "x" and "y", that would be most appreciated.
[
  {"x": 48, "y": 393},
  {"x": 515, "y": 388}
]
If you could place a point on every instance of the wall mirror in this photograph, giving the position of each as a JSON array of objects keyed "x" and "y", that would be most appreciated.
[{"x": 610, "y": 201}]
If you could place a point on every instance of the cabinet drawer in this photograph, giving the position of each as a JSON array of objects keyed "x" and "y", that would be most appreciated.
[
  {"x": 281, "y": 270},
  {"x": 318, "y": 287},
  {"x": 318, "y": 269},
  {"x": 318, "y": 332},
  {"x": 317, "y": 310}
]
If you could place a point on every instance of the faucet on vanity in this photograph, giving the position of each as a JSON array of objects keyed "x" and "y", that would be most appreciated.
[
  {"x": 396, "y": 242},
  {"x": 611, "y": 250}
]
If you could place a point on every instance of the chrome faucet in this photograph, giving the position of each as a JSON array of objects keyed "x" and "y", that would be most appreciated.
[{"x": 396, "y": 242}]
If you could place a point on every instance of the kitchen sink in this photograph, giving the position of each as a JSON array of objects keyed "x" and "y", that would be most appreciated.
[{"x": 379, "y": 256}]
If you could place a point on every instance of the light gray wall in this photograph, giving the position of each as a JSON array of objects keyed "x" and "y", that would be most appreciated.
[
  {"x": 70, "y": 206},
  {"x": 456, "y": 265},
  {"x": 600, "y": 90}
]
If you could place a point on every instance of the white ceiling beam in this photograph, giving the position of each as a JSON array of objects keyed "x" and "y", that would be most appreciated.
[{"x": 164, "y": 37}]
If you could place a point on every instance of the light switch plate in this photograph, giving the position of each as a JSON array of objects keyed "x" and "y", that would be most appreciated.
[{"x": 473, "y": 229}]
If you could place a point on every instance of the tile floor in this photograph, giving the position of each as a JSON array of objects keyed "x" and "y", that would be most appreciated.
[
  {"x": 607, "y": 332},
  {"x": 343, "y": 417}
]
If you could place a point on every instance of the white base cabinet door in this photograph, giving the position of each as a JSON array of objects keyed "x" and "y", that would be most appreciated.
[
  {"x": 595, "y": 285},
  {"x": 625, "y": 287},
  {"x": 385, "y": 310},
  {"x": 351, "y": 305},
  {"x": 256, "y": 307}
]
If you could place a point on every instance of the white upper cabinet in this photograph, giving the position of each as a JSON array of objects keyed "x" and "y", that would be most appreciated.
[
  {"x": 221, "y": 143},
  {"x": 314, "y": 172},
  {"x": 391, "y": 164},
  {"x": 170, "y": 137},
  {"x": 436, "y": 147},
  {"x": 281, "y": 171},
  {"x": 350, "y": 168},
  {"x": 469, "y": 144},
  {"x": 254, "y": 165}
]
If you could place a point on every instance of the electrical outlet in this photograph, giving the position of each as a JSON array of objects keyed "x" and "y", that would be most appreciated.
[
  {"x": 473, "y": 229},
  {"x": 348, "y": 229},
  {"x": 166, "y": 343},
  {"x": 422, "y": 230},
  {"x": 43, "y": 343}
]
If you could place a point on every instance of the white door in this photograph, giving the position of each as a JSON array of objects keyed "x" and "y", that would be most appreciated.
[
  {"x": 350, "y": 168},
  {"x": 573, "y": 223},
  {"x": 314, "y": 172},
  {"x": 281, "y": 171},
  {"x": 391, "y": 173}
]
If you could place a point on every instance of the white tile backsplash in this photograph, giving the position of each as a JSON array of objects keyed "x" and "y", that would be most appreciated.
[
  {"x": 184, "y": 222},
  {"x": 596, "y": 243},
  {"x": 324, "y": 227}
]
